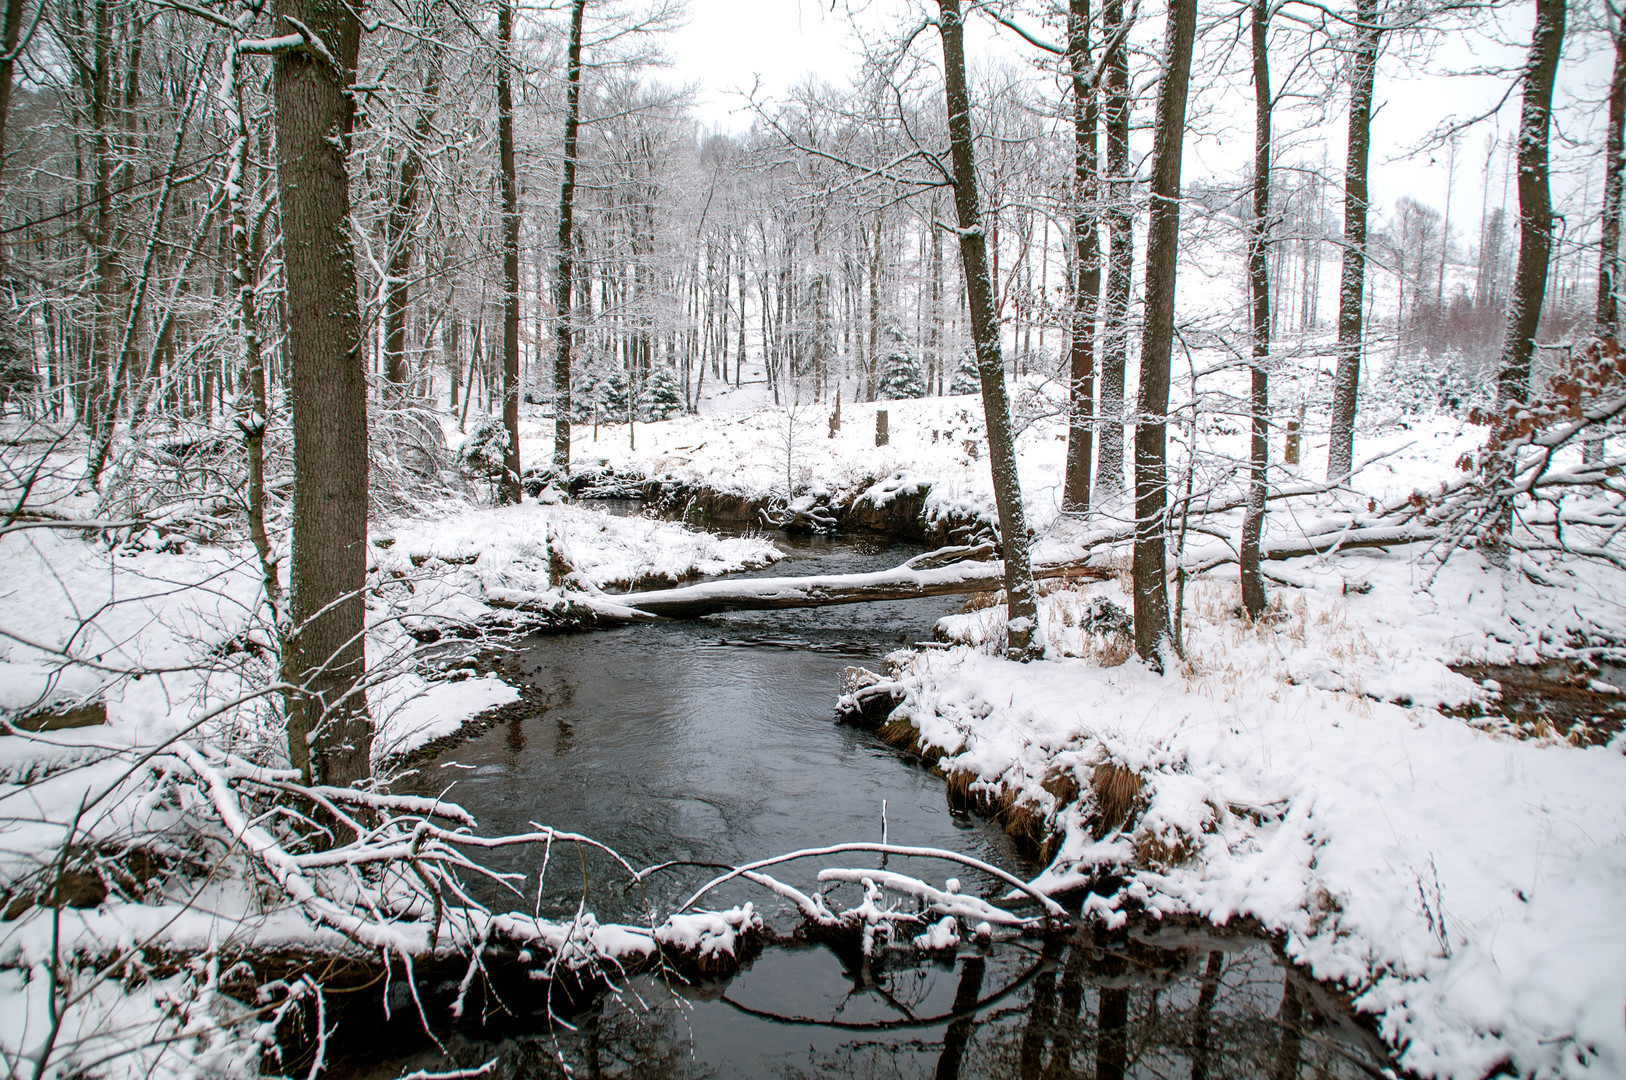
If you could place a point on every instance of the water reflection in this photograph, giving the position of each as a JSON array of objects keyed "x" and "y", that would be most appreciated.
[{"x": 1156, "y": 1003}]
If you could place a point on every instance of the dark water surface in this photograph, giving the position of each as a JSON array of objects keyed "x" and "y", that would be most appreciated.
[{"x": 714, "y": 742}]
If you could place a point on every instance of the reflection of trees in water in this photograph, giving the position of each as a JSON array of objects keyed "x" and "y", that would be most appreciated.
[{"x": 1183, "y": 1006}]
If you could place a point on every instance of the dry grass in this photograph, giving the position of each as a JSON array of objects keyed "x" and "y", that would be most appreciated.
[{"x": 1117, "y": 788}]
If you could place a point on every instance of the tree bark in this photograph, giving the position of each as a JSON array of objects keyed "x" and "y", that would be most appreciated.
[
  {"x": 508, "y": 491},
  {"x": 1352, "y": 285},
  {"x": 329, "y": 734},
  {"x": 563, "y": 281},
  {"x": 397, "y": 289},
  {"x": 1614, "y": 183},
  {"x": 1157, "y": 341},
  {"x": 1086, "y": 264},
  {"x": 9, "y": 40},
  {"x": 1022, "y": 625},
  {"x": 1535, "y": 204},
  {"x": 1109, "y": 466},
  {"x": 1253, "y": 519}
]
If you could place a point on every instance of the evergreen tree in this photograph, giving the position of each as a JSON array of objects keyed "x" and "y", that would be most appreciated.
[
  {"x": 602, "y": 387},
  {"x": 965, "y": 376},
  {"x": 662, "y": 397},
  {"x": 900, "y": 371}
]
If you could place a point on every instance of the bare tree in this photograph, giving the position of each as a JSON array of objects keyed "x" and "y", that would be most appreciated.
[
  {"x": 1253, "y": 520},
  {"x": 1109, "y": 467},
  {"x": 1614, "y": 183},
  {"x": 1086, "y": 263},
  {"x": 508, "y": 490},
  {"x": 1022, "y": 626},
  {"x": 1157, "y": 340},
  {"x": 563, "y": 333},
  {"x": 329, "y": 733},
  {"x": 1352, "y": 284},
  {"x": 1535, "y": 204}
]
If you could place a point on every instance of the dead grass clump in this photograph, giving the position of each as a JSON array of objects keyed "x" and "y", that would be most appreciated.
[
  {"x": 902, "y": 734},
  {"x": 1062, "y": 785},
  {"x": 981, "y": 601},
  {"x": 1117, "y": 788},
  {"x": 1157, "y": 852}
]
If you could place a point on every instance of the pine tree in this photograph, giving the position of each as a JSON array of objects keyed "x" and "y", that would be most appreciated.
[
  {"x": 900, "y": 371},
  {"x": 662, "y": 398},
  {"x": 965, "y": 376}
]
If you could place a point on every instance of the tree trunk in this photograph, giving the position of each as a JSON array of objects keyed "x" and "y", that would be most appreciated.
[
  {"x": 1352, "y": 286},
  {"x": 397, "y": 290},
  {"x": 1614, "y": 183},
  {"x": 508, "y": 491},
  {"x": 1109, "y": 466},
  {"x": 9, "y": 41},
  {"x": 1086, "y": 264},
  {"x": 1535, "y": 205},
  {"x": 1253, "y": 519},
  {"x": 329, "y": 735},
  {"x": 1022, "y": 638},
  {"x": 1535, "y": 252},
  {"x": 566, "y": 272},
  {"x": 1157, "y": 340}
]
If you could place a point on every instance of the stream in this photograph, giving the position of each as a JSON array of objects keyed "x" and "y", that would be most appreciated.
[{"x": 713, "y": 742}]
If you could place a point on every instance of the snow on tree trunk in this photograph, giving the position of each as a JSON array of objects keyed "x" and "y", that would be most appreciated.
[
  {"x": 1352, "y": 285},
  {"x": 1157, "y": 340},
  {"x": 329, "y": 734},
  {"x": 1022, "y": 624}
]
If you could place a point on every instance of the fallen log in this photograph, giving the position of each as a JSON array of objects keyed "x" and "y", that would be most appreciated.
[{"x": 919, "y": 577}]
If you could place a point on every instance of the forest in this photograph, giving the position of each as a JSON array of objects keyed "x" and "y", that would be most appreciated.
[{"x": 1180, "y": 443}]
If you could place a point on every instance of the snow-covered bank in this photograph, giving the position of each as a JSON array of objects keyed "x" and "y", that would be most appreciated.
[{"x": 1467, "y": 885}]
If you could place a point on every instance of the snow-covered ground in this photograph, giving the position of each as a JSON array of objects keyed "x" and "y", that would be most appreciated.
[{"x": 1467, "y": 884}]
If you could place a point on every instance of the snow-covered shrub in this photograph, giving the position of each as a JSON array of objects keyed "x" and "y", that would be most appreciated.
[
  {"x": 966, "y": 380},
  {"x": 900, "y": 370},
  {"x": 1420, "y": 383},
  {"x": 482, "y": 454},
  {"x": 661, "y": 398}
]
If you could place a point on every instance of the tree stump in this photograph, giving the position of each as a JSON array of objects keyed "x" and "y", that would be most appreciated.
[{"x": 881, "y": 434}]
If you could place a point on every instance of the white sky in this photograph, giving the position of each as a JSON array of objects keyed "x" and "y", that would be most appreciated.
[{"x": 728, "y": 45}]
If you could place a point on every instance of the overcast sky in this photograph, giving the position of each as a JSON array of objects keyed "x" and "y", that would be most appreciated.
[{"x": 728, "y": 46}]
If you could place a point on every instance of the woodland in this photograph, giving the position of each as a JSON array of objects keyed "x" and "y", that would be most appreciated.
[{"x": 323, "y": 326}]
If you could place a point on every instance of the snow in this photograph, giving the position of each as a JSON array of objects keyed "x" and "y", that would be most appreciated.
[{"x": 1466, "y": 885}]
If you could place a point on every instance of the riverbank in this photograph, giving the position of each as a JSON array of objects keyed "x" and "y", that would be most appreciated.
[{"x": 1462, "y": 882}]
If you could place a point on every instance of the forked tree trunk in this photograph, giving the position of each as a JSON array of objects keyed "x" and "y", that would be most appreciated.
[
  {"x": 1157, "y": 341},
  {"x": 1022, "y": 637},
  {"x": 1086, "y": 264},
  {"x": 1352, "y": 285},
  {"x": 508, "y": 490},
  {"x": 1253, "y": 519},
  {"x": 1109, "y": 466},
  {"x": 329, "y": 735},
  {"x": 562, "y": 335}
]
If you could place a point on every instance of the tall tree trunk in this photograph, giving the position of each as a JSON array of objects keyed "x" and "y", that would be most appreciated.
[
  {"x": 1253, "y": 519},
  {"x": 1086, "y": 264},
  {"x": 1022, "y": 636},
  {"x": 1157, "y": 340},
  {"x": 1352, "y": 286},
  {"x": 1535, "y": 252},
  {"x": 1535, "y": 204},
  {"x": 1109, "y": 466},
  {"x": 329, "y": 735},
  {"x": 10, "y": 39},
  {"x": 508, "y": 491},
  {"x": 563, "y": 280},
  {"x": 1614, "y": 184},
  {"x": 397, "y": 289}
]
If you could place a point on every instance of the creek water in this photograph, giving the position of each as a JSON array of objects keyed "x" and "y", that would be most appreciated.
[{"x": 713, "y": 742}]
